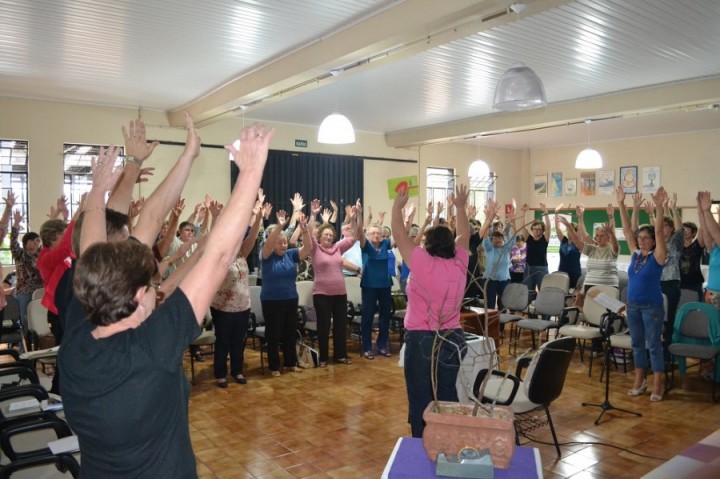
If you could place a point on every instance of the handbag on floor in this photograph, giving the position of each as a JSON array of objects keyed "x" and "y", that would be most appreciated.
[{"x": 307, "y": 356}]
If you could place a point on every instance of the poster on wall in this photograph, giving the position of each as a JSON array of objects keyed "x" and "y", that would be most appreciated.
[
  {"x": 556, "y": 187},
  {"x": 571, "y": 187},
  {"x": 540, "y": 185},
  {"x": 650, "y": 179},
  {"x": 606, "y": 182},
  {"x": 408, "y": 183},
  {"x": 628, "y": 179},
  {"x": 587, "y": 183}
]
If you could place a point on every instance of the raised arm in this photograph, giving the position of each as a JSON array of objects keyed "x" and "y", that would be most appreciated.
[
  {"x": 137, "y": 150},
  {"x": 405, "y": 245},
  {"x": 168, "y": 191},
  {"x": 249, "y": 242},
  {"x": 660, "y": 199},
  {"x": 306, "y": 248},
  {"x": 558, "y": 230},
  {"x": 610, "y": 229},
  {"x": 625, "y": 219},
  {"x": 637, "y": 205},
  {"x": 463, "y": 224},
  {"x": 708, "y": 223},
  {"x": 672, "y": 205},
  {"x": 523, "y": 217},
  {"x": 491, "y": 209},
  {"x": 360, "y": 230},
  {"x": 574, "y": 236},
  {"x": 271, "y": 240},
  {"x": 582, "y": 231},
  {"x": 104, "y": 178},
  {"x": 5, "y": 220},
  {"x": 334, "y": 206},
  {"x": 546, "y": 218},
  {"x": 224, "y": 241}
]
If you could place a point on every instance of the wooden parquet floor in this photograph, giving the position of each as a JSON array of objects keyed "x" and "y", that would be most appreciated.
[{"x": 342, "y": 422}]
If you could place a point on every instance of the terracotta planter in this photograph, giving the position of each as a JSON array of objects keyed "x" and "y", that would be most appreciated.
[{"x": 453, "y": 428}]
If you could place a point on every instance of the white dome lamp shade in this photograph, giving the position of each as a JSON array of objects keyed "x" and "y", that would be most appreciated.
[
  {"x": 588, "y": 159},
  {"x": 336, "y": 129},
  {"x": 519, "y": 89}
]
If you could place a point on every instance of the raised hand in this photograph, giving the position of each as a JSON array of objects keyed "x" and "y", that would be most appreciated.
[
  {"x": 325, "y": 215},
  {"x": 192, "y": 141},
  {"x": 637, "y": 200},
  {"x": 104, "y": 173},
  {"x": 348, "y": 211},
  {"x": 673, "y": 203},
  {"x": 409, "y": 212},
  {"x": 359, "y": 208},
  {"x": 461, "y": 196},
  {"x": 429, "y": 208},
  {"x": 281, "y": 218},
  {"x": 580, "y": 210},
  {"x": 136, "y": 207},
  {"x": 704, "y": 200},
  {"x": 620, "y": 194},
  {"x": 472, "y": 211},
  {"x": 439, "y": 208},
  {"x": 266, "y": 210},
  {"x": 297, "y": 202},
  {"x": 145, "y": 174},
  {"x": 525, "y": 207},
  {"x": 315, "y": 207},
  {"x": 558, "y": 208},
  {"x": 333, "y": 205},
  {"x": 544, "y": 208},
  {"x": 207, "y": 201},
  {"x": 179, "y": 207},
  {"x": 10, "y": 199},
  {"x": 136, "y": 142},
  {"x": 660, "y": 197},
  {"x": 254, "y": 144},
  {"x": 17, "y": 218},
  {"x": 381, "y": 216},
  {"x": 261, "y": 195},
  {"x": 450, "y": 201},
  {"x": 216, "y": 207}
]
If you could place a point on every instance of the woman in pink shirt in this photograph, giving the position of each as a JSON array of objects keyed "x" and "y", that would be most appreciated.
[
  {"x": 329, "y": 295},
  {"x": 435, "y": 292}
]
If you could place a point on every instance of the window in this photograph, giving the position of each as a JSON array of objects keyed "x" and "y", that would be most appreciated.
[
  {"x": 482, "y": 186},
  {"x": 78, "y": 177},
  {"x": 13, "y": 176},
  {"x": 440, "y": 183}
]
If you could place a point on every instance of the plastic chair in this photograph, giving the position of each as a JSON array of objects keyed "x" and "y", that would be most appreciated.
[
  {"x": 550, "y": 302},
  {"x": 588, "y": 328},
  {"x": 515, "y": 299},
  {"x": 257, "y": 324},
  {"x": 40, "y": 467},
  {"x": 543, "y": 384},
  {"x": 697, "y": 335}
]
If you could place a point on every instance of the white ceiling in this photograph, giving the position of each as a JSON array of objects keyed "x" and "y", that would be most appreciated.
[{"x": 419, "y": 71}]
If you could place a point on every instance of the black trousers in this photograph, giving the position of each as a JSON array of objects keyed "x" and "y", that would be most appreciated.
[
  {"x": 325, "y": 308},
  {"x": 230, "y": 331},
  {"x": 281, "y": 320}
]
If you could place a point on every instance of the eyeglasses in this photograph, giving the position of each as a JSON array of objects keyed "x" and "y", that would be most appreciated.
[
  {"x": 644, "y": 237},
  {"x": 374, "y": 233}
]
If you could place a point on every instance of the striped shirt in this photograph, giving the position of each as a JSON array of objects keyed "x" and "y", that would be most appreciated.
[{"x": 601, "y": 265}]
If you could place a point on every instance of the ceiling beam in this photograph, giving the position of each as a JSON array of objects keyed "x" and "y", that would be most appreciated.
[
  {"x": 642, "y": 101},
  {"x": 404, "y": 29}
]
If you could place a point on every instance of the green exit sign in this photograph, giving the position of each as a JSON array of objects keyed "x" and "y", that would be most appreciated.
[{"x": 301, "y": 143}]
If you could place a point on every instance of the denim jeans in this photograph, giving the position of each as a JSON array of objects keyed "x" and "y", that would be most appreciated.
[
  {"x": 418, "y": 372},
  {"x": 646, "y": 324},
  {"x": 23, "y": 300},
  {"x": 382, "y": 298}
]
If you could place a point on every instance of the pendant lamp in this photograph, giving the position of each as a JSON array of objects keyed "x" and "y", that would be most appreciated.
[
  {"x": 336, "y": 129},
  {"x": 519, "y": 89},
  {"x": 588, "y": 159}
]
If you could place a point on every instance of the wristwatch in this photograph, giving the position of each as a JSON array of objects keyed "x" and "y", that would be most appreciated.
[{"x": 133, "y": 160}]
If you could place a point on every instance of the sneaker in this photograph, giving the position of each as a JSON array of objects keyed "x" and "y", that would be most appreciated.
[
  {"x": 240, "y": 379},
  {"x": 293, "y": 369},
  {"x": 222, "y": 384},
  {"x": 384, "y": 352},
  {"x": 322, "y": 364},
  {"x": 656, "y": 397},
  {"x": 275, "y": 374},
  {"x": 368, "y": 355},
  {"x": 343, "y": 361}
]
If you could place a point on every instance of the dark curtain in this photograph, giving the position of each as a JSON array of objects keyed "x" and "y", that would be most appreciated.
[{"x": 313, "y": 175}]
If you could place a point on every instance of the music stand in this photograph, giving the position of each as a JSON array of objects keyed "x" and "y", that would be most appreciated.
[{"x": 614, "y": 307}]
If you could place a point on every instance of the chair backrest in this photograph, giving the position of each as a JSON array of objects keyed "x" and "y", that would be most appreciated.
[
  {"x": 622, "y": 280},
  {"x": 688, "y": 296},
  {"x": 558, "y": 279},
  {"x": 38, "y": 293},
  {"x": 12, "y": 310},
  {"x": 593, "y": 311},
  {"x": 693, "y": 322},
  {"x": 49, "y": 465},
  {"x": 304, "y": 289},
  {"x": 256, "y": 305},
  {"x": 516, "y": 297},
  {"x": 550, "y": 301},
  {"x": 354, "y": 292},
  {"x": 546, "y": 374},
  {"x": 37, "y": 317}
]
